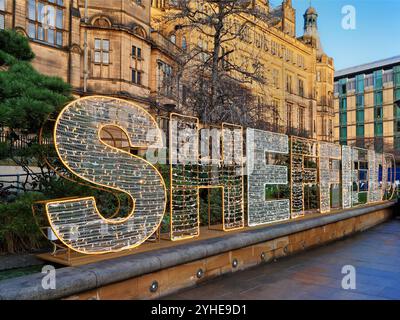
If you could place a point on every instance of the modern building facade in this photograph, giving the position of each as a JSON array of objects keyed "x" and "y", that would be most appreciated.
[
  {"x": 298, "y": 93},
  {"x": 367, "y": 106}
]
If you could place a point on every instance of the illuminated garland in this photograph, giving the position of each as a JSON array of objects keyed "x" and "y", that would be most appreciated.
[
  {"x": 191, "y": 172},
  {"x": 329, "y": 172},
  {"x": 347, "y": 177},
  {"x": 199, "y": 158},
  {"x": 77, "y": 222},
  {"x": 304, "y": 171},
  {"x": 259, "y": 144}
]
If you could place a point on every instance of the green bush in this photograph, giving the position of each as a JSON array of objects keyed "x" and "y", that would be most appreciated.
[
  {"x": 27, "y": 98},
  {"x": 18, "y": 230}
]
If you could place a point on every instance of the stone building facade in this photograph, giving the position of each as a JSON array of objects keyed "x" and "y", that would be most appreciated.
[
  {"x": 99, "y": 47},
  {"x": 113, "y": 48},
  {"x": 299, "y": 87}
]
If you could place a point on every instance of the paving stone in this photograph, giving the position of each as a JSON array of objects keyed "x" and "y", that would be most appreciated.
[{"x": 316, "y": 274}]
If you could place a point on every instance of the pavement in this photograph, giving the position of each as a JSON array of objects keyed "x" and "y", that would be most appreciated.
[{"x": 317, "y": 274}]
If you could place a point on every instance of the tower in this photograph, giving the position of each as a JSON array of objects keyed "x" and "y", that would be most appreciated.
[
  {"x": 288, "y": 18},
  {"x": 311, "y": 34}
]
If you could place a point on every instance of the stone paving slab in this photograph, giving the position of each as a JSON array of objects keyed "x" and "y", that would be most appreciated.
[{"x": 316, "y": 274}]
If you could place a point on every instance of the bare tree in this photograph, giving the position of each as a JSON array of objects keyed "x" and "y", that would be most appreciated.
[{"x": 219, "y": 77}]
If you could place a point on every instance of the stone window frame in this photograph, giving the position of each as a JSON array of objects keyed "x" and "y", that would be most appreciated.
[
  {"x": 137, "y": 53},
  {"x": 101, "y": 51},
  {"x": 58, "y": 5},
  {"x": 137, "y": 77}
]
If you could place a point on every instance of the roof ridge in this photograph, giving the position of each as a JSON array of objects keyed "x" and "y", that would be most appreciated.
[{"x": 369, "y": 65}]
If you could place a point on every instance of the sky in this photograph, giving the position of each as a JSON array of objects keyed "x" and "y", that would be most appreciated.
[{"x": 376, "y": 35}]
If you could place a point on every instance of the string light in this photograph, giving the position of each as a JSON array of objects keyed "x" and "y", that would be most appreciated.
[
  {"x": 77, "y": 222},
  {"x": 360, "y": 172},
  {"x": 389, "y": 178},
  {"x": 304, "y": 171},
  {"x": 191, "y": 172},
  {"x": 374, "y": 189},
  {"x": 79, "y": 225},
  {"x": 347, "y": 177},
  {"x": 260, "y": 174},
  {"x": 329, "y": 172}
]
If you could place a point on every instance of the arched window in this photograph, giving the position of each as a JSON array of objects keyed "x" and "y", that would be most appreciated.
[{"x": 184, "y": 43}]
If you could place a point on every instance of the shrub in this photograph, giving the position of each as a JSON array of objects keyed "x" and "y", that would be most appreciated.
[{"x": 18, "y": 230}]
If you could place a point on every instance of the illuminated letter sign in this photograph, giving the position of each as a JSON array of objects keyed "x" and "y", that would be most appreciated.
[
  {"x": 388, "y": 176},
  {"x": 375, "y": 166},
  {"x": 199, "y": 158},
  {"x": 329, "y": 174},
  {"x": 304, "y": 172},
  {"x": 360, "y": 181},
  {"x": 77, "y": 222},
  {"x": 189, "y": 173},
  {"x": 347, "y": 181},
  {"x": 261, "y": 147}
]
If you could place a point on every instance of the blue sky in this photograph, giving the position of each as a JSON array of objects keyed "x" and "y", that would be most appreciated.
[{"x": 377, "y": 33}]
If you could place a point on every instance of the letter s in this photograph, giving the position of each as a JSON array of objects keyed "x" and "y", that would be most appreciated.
[{"x": 77, "y": 222}]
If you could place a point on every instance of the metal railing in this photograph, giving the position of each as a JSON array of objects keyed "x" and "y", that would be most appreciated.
[{"x": 18, "y": 183}]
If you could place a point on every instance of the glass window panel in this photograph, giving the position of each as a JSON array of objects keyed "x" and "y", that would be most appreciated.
[
  {"x": 343, "y": 104},
  {"x": 133, "y": 51},
  {"x": 378, "y": 98},
  {"x": 397, "y": 94},
  {"x": 51, "y": 16},
  {"x": 59, "y": 38},
  {"x": 184, "y": 43},
  {"x": 97, "y": 57},
  {"x": 360, "y": 131},
  {"x": 378, "y": 79},
  {"x": 360, "y": 116},
  {"x": 59, "y": 19},
  {"x": 106, "y": 58},
  {"x": 378, "y": 129},
  {"x": 397, "y": 110},
  {"x": 397, "y": 143},
  {"x": 60, "y": 2},
  {"x": 41, "y": 12},
  {"x": 40, "y": 33},
  {"x": 396, "y": 71},
  {"x": 106, "y": 45},
  {"x": 139, "y": 52},
  {"x": 343, "y": 133},
  {"x": 343, "y": 118},
  {"x": 360, "y": 100},
  {"x": 134, "y": 76},
  {"x": 360, "y": 83},
  {"x": 2, "y": 23},
  {"x": 32, "y": 10},
  {"x": 32, "y": 31},
  {"x": 97, "y": 44},
  {"x": 50, "y": 36},
  {"x": 342, "y": 86},
  {"x": 379, "y": 113},
  {"x": 2, "y": 5},
  {"x": 139, "y": 77}
]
